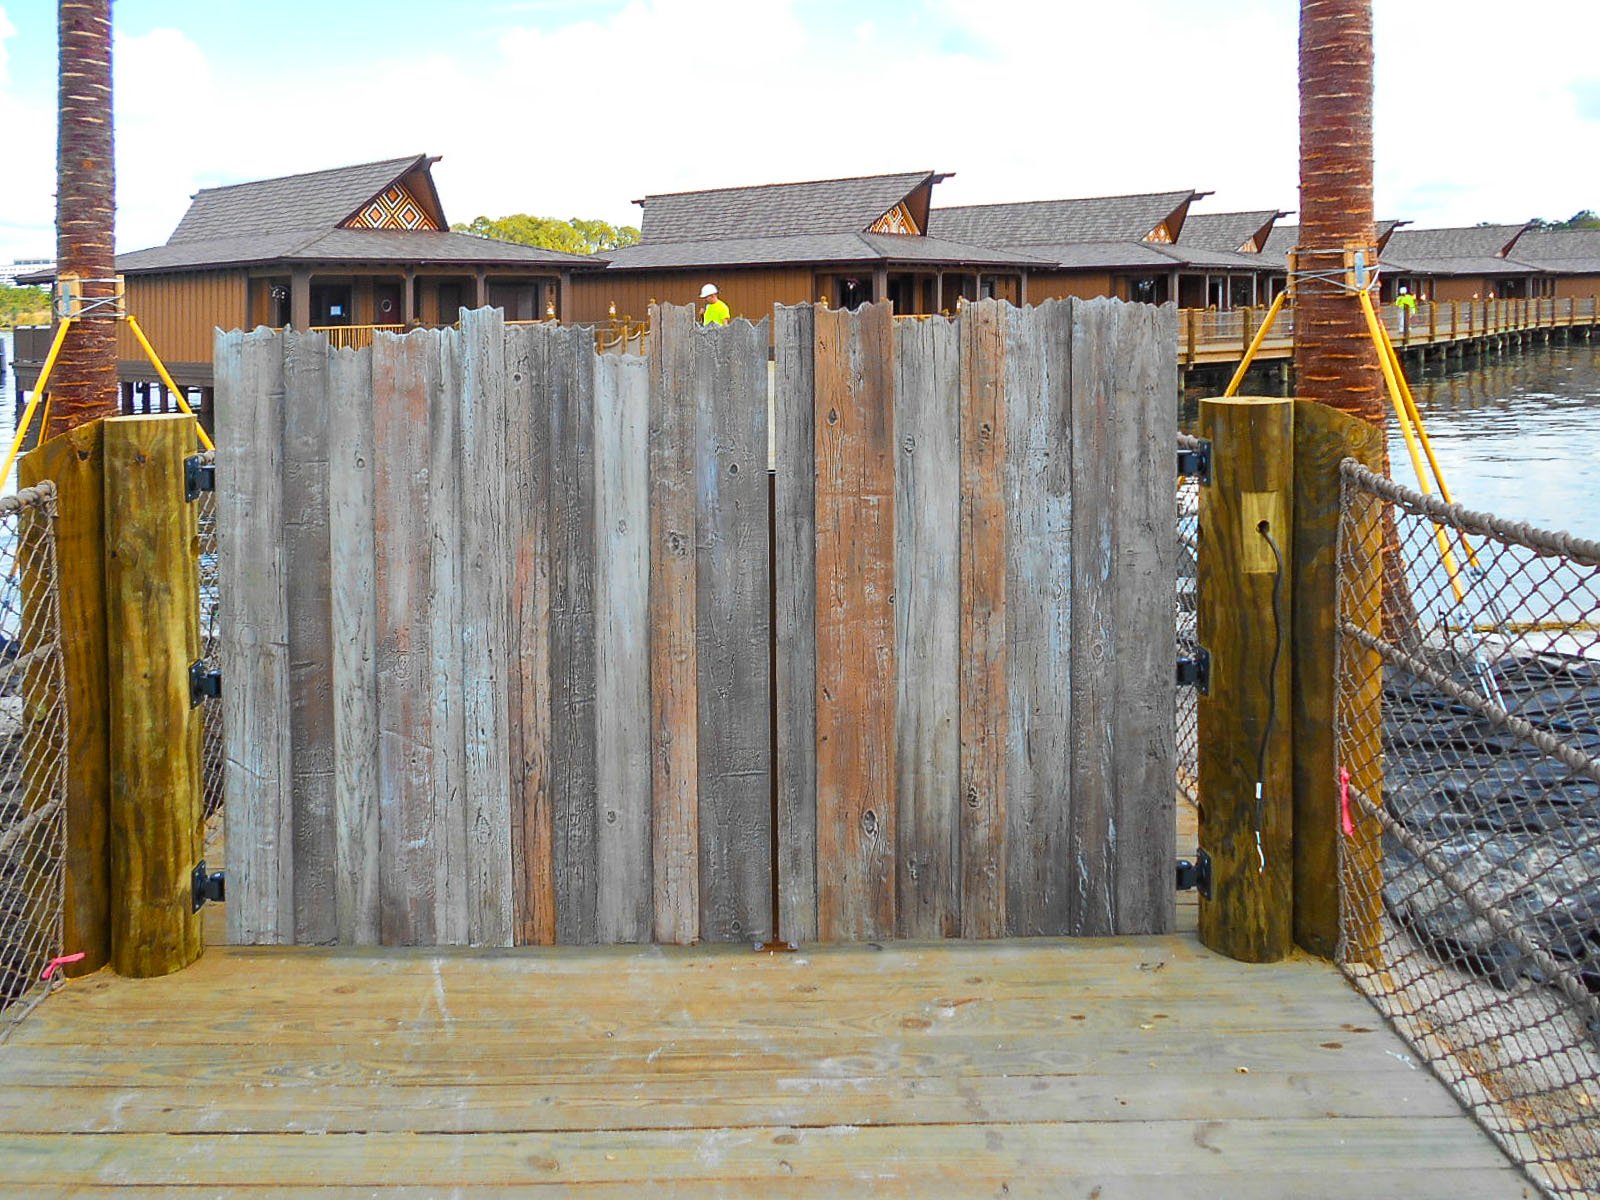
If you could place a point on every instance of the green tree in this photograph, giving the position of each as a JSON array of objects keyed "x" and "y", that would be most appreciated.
[
  {"x": 1587, "y": 219},
  {"x": 575, "y": 236},
  {"x": 18, "y": 302}
]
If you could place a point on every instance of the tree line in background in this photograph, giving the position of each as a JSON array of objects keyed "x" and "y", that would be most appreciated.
[
  {"x": 1587, "y": 219},
  {"x": 575, "y": 236},
  {"x": 19, "y": 302}
]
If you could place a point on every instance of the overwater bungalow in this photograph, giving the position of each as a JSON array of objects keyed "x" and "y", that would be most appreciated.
[
  {"x": 1469, "y": 263},
  {"x": 845, "y": 242},
  {"x": 1570, "y": 258}
]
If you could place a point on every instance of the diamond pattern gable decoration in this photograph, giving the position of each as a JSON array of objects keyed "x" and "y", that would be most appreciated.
[{"x": 396, "y": 208}]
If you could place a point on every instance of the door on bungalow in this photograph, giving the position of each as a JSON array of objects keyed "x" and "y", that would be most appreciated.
[
  {"x": 386, "y": 301},
  {"x": 330, "y": 304}
]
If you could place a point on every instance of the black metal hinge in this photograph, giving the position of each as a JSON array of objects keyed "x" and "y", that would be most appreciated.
[
  {"x": 1194, "y": 670},
  {"x": 198, "y": 476},
  {"x": 1196, "y": 874},
  {"x": 1196, "y": 464},
  {"x": 204, "y": 885},
  {"x": 203, "y": 684}
]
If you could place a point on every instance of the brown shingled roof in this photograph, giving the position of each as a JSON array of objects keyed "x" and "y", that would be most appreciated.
[
  {"x": 1055, "y": 222},
  {"x": 315, "y": 200},
  {"x": 823, "y": 206}
]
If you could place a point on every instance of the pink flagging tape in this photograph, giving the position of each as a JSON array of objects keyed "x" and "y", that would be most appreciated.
[
  {"x": 1344, "y": 802},
  {"x": 54, "y": 963}
]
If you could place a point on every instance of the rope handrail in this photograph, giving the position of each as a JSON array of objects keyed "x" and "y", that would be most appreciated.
[{"x": 40, "y": 495}]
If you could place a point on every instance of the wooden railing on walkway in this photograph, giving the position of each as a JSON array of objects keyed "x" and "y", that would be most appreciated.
[{"x": 1207, "y": 336}]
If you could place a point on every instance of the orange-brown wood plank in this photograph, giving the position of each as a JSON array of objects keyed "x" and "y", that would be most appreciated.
[{"x": 855, "y": 623}]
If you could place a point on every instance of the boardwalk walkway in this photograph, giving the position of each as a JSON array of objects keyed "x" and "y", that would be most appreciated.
[{"x": 1114, "y": 1069}]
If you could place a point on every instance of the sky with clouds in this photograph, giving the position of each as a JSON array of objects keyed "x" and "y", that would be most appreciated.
[{"x": 1486, "y": 111}]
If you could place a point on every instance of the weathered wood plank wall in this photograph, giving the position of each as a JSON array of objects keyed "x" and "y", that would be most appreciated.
[
  {"x": 501, "y": 640},
  {"x": 441, "y": 560},
  {"x": 975, "y": 709}
]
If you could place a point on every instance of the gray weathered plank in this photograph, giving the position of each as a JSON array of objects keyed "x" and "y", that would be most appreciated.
[
  {"x": 354, "y": 616},
  {"x": 486, "y": 653},
  {"x": 927, "y": 627},
  {"x": 403, "y": 373},
  {"x": 732, "y": 620},
  {"x": 795, "y": 558},
  {"x": 310, "y": 611},
  {"x": 528, "y": 610},
  {"x": 674, "y": 706},
  {"x": 622, "y": 648},
  {"x": 255, "y": 614},
  {"x": 855, "y": 624},
  {"x": 983, "y": 720},
  {"x": 446, "y": 661},
  {"x": 1038, "y": 503},
  {"x": 1144, "y": 530},
  {"x": 572, "y": 635}
]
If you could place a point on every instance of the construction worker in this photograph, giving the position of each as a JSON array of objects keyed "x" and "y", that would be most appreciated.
[
  {"x": 716, "y": 312},
  {"x": 1407, "y": 304}
]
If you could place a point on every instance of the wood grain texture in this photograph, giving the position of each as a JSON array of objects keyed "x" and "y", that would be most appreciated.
[
  {"x": 485, "y": 633},
  {"x": 674, "y": 674},
  {"x": 1037, "y": 476},
  {"x": 984, "y": 720},
  {"x": 404, "y": 371},
  {"x": 354, "y": 614},
  {"x": 253, "y": 590},
  {"x": 927, "y": 615},
  {"x": 731, "y": 631},
  {"x": 75, "y": 462},
  {"x": 308, "y": 564},
  {"x": 795, "y": 532},
  {"x": 855, "y": 454},
  {"x": 1323, "y": 437},
  {"x": 1144, "y": 522},
  {"x": 572, "y": 638},
  {"x": 1249, "y": 915},
  {"x": 622, "y": 648},
  {"x": 153, "y": 634},
  {"x": 444, "y": 827},
  {"x": 528, "y": 610}
]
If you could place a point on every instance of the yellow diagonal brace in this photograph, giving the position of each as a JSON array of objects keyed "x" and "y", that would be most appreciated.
[
  {"x": 1255, "y": 345},
  {"x": 161, "y": 370},
  {"x": 38, "y": 394}
]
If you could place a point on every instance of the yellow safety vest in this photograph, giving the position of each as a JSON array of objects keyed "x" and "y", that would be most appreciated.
[{"x": 716, "y": 313}]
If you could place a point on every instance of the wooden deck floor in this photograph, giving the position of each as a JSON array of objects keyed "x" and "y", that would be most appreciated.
[{"x": 1109, "y": 1069}]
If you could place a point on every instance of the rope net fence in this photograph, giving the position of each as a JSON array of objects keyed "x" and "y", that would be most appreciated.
[
  {"x": 211, "y": 760},
  {"x": 1186, "y": 710},
  {"x": 1469, "y": 744},
  {"x": 33, "y": 752}
]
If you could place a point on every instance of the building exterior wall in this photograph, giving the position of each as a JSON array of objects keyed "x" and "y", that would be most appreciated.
[
  {"x": 1581, "y": 286},
  {"x": 749, "y": 291},
  {"x": 1459, "y": 287},
  {"x": 1057, "y": 285},
  {"x": 179, "y": 312}
]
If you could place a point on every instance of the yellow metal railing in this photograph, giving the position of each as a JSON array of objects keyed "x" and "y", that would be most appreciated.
[{"x": 354, "y": 337}]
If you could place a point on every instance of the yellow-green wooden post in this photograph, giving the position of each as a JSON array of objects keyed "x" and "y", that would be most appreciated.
[
  {"x": 153, "y": 635},
  {"x": 1245, "y": 732}
]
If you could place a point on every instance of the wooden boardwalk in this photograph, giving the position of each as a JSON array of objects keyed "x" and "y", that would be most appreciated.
[{"x": 1112, "y": 1068}]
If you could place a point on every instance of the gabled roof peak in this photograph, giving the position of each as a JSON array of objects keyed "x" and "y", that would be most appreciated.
[{"x": 852, "y": 204}]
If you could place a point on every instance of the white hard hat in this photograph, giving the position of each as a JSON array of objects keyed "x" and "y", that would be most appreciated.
[{"x": 710, "y": 289}]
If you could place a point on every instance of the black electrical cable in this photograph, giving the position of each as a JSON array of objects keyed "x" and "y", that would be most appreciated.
[{"x": 1265, "y": 530}]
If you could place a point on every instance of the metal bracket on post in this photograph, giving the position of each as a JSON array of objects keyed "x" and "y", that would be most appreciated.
[
  {"x": 1195, "y": 463},
  {"x": 203, "y": 684},
  {"x": 1195, "y": 875},
  {"x": 204, "y": 886},
  {"x": 198, "y": 476},
  {"x": 1194, "y": 670}
]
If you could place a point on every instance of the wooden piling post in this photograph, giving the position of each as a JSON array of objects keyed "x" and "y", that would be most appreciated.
[
  {"x": 153, "y": 635},
  {"x": 1245, "y": 732},
  {"x": 1323, "y": 437},
  {"x": 75, "y": 461}
]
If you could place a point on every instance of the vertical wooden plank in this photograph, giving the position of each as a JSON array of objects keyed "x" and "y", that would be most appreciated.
[
  {"x": 309, "y": 574},
  {"x": 355, "y": 645},
  {"x": 153, "y": 634},
  {"x": 402, "y": 373},
  {"x": 528, "y": 515},
  {"x": 75, "y": 462},
  {"x": 622, "y": 648},
  {"x": 1038, "y": 542},
  {"x": 1094, "y": 642},
  {"x": 795, "y": 527},
  {"x": 486, "y": 653},
  {"x": 984, "y": 727},
  {"x": 1143, "y": 828},
  {"x": 446, "y": 687},
  {"x": 1323, "y": 437},
  {"x": 855, "y": 448},
  {"x": 927, "y": 614},
  {"x": 732, "y": 621},
  {"x": 674, "y": 702},
  {"x": 255, "y": 610},
  {"x": 572, "y": 635}
]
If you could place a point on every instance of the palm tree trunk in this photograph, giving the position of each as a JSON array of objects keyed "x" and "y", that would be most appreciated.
[
  {"x": 84, "y": 385},
  {"x": 1335, "y": 361}
]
